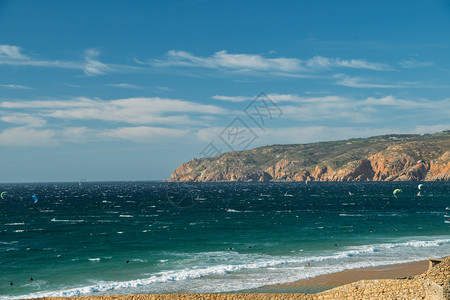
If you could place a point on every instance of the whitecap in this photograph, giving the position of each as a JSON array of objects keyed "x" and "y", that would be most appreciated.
[
  {"x": 94, "y": 259},
  {"x": 9, "y": 243},
  {"x": 66, "y": 221}
]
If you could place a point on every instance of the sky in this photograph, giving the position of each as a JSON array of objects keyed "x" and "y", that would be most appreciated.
[{"x": 129, "y": 90}]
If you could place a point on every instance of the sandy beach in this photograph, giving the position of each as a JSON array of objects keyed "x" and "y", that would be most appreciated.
[
  {"x": 399, "y": 281},
  {"x": 329, "y": 281}
]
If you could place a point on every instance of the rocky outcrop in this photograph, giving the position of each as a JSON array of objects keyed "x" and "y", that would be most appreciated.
[{"x": 388, "y": 160}]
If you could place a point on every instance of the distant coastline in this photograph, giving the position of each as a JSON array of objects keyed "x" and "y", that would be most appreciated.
[{"x": 380, "y": 158}]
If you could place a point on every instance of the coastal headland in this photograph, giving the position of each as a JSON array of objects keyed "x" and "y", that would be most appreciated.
[{"x": 381, "y": 158}]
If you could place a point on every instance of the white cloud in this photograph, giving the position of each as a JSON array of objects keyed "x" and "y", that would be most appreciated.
[
  {"x": 130, "y": 110},
  {"x": 224, "y": 60},
  {"x": 208, "y": 134},
  {"x": 163, "y": 88},
  {"x": 296, "y": 98},
  {"x": 78, "y": 134},
  {"x": 14, "y": 86},
  {"x": 282, "y": 66},
  {"x": 345, "y": 111},
  {"x": 94, "y": 66},
  {"x": 319, "y": 62},
  {"x": 412, "y": 63},
  {"x": 12, "y": 55},
  {"x": 146, "y": 134},
  {"x": 231, "y": 98},
  {"x": 436, "y": 107},
  {"x": 11, "y": 52},
  {"x": 25, "y": 136},
  {"x": 284, "y": 97},
  {"x": 357, "y": 82},
  {"x": 125, "y": 85},
  {"x": 90, "y": 65},
  {"x": 24, "y": 119},
  {"x": 49, "y": 104},
  {"x": 394, "y": 101},
  {"x": 281, "y": 98}
]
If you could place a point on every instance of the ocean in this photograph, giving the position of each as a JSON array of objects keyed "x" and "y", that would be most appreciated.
[{"x": 93, "y": 238}]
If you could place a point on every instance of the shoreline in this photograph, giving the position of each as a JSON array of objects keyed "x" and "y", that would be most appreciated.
[
  {"x": 301, "y": 289},
  {"x": 325, "y": 282}
]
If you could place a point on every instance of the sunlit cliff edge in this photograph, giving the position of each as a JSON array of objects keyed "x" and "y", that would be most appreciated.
[{"x": 381, "y": 158}]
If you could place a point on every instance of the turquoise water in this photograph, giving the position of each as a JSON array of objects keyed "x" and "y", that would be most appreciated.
[{"x": 208, "y": 237}]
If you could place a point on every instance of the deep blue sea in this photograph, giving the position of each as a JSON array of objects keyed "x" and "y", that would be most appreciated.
[{"x": 208, "y": 237}]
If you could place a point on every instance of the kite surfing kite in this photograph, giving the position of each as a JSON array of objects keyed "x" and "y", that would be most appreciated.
[
  {"x": 419, "y": 187},
  {"x": 1, "y": 195},
  {"x": 420, "y": 161},
  {"x": 35, "y": 198},
  {"x": 396, "y": 192}
]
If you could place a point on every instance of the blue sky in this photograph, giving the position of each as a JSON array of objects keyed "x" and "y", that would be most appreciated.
[{"x": 128, "y": 90}]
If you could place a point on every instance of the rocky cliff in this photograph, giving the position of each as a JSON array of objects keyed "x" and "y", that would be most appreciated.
[{"x": 382, "y": 158}]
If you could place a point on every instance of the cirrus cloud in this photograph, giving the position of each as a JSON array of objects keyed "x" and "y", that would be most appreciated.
[{"x": 282, "y": 66}]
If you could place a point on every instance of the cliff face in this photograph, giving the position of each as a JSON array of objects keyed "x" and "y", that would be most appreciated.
[{"x": 387, "y": 158}]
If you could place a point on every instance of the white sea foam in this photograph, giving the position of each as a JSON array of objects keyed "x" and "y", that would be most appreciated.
[
  {"x": 267, "y": 269},
  {"x": 350, "y": 215},
  {"x": 161, "y": 277},
  {"x": 67, "y": 221},
  {"x": 8, "y": 243}
]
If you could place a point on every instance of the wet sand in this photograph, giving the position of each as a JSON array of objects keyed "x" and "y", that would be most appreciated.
[
  {"x": 289, "y": 290},
  {"x": 329, "y": 281}
]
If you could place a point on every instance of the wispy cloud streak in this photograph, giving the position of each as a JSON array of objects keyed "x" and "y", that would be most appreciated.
[
  {"x": 90, "y": 65},
  {"x": 281, "y": 66}
]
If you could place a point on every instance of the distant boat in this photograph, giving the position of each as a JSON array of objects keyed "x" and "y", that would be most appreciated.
[{"x": 287, "y": 195}]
